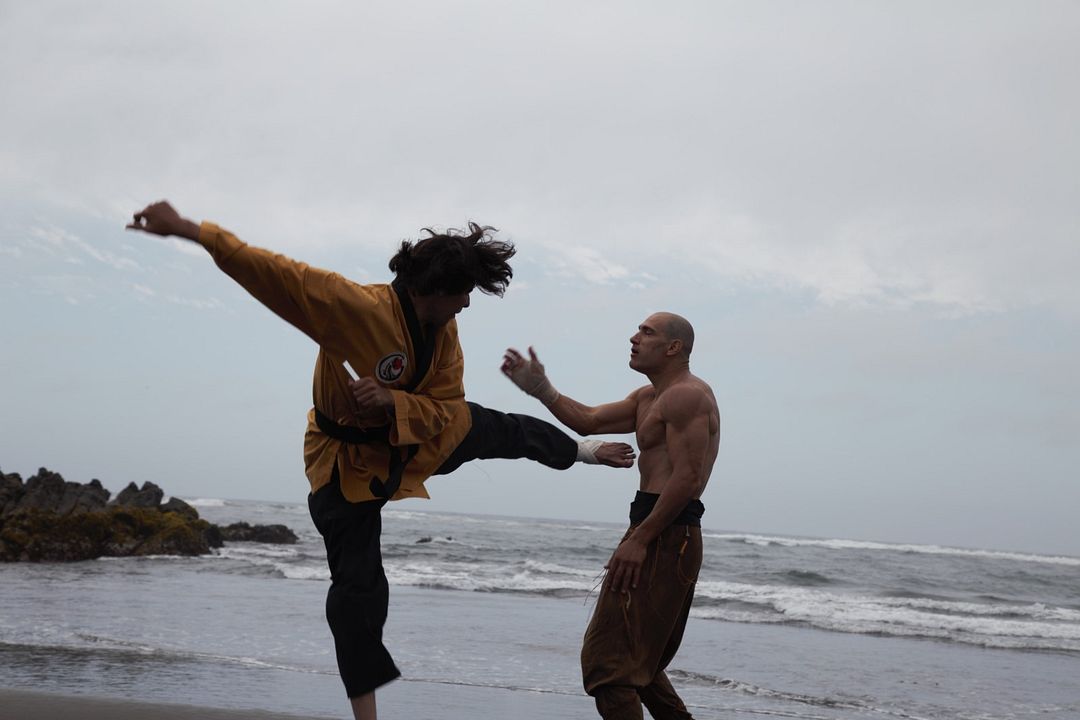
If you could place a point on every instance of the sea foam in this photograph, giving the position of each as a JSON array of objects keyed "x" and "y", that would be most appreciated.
[{"x": 767, "y": 540}]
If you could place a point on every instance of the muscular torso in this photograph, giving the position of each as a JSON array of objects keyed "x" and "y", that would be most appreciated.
[{"x": 654, "y": 462}]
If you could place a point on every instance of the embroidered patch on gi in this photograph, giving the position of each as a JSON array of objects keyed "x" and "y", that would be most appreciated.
[{"x": 390, "y": 367}]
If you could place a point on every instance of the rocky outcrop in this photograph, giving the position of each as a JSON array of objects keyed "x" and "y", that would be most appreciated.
[
  {"x": 48, "y": 492},
  {"x": 242, "y": 532},
  {"x": 176, "y": 505},
  {"x": 150, "y": 495},
  {"x": 11, "y": 490},
  {"x": 35, "y": 535},
  {"x": 49, "y": 519}
]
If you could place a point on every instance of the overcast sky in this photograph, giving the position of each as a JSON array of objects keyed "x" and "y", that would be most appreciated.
[{"x": 869, "y": 211}]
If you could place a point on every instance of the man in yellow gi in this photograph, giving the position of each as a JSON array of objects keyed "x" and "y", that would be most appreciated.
[
  {"x": 645, "y": 599},
  {"x": 379, "y": 437}
]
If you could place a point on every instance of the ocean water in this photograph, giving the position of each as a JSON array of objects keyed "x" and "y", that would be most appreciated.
[{"x": 781, "y": 626}]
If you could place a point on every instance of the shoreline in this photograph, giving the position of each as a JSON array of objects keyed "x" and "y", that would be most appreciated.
[
  {"x": 21, "y": 704},
  {"x": 403, "y": 698}
]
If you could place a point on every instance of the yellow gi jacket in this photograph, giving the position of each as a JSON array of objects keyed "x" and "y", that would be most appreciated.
[{"x": 368, "y": 326}]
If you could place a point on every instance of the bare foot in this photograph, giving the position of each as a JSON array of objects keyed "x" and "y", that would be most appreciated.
[{"x": 618, "y": 455}]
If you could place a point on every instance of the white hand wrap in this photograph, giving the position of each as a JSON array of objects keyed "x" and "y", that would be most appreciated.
[
  {"x": 530, "y": 377},
  {"x": 586, "y": 451}
]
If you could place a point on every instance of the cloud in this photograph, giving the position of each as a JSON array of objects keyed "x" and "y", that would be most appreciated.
[
  {"x": 187, "y": 247},
  {"x": 55, "y": 239},
  {"x": 196, "y": 303},
  {"x": 74, "y": 289},
  {"x": 956, "y": 263},
  {"x": 870, "y": 156},
  {"x": 584, "y": 263}
]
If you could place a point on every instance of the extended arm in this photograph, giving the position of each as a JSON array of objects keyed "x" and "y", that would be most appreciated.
[
  {"x": 529, "y": 375},
  {"x": 686, "y": 415},
  {"x": 310, "y": 299},
  {"x": 303, "y": 296}
]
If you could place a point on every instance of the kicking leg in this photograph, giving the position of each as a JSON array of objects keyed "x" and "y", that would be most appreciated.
[{"x": 512, "y": 436}]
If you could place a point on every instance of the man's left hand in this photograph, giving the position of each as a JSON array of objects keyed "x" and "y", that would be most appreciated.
[
  {"x": 624, "y": 567},
  {"x": 370, "y": 396},
  {"x": 161, "y": 218}
]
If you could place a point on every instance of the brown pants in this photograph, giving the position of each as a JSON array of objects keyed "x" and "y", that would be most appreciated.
[{"x": 632, "y": 637}]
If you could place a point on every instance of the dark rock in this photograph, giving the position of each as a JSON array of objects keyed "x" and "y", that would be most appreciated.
[
  {"x": 176, "y": 505},
  {"x": 11, "y": 490},
  {"x": 243, "y": 532},
  {"x": 425, "y": 539},
  {"x": 213, "y": 536},
  {"x": 48, "y": 492},
  {"x": 178, "y": 538},
  {"x": 149, "y": 496},
  {"x": 43, "y": 491},
  {"x": 36, "y": 535},
  {"x": 82, "y": 498},
  {"x": 47, "y": 519}
]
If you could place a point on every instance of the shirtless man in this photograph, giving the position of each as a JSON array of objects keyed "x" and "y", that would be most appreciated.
[{"x": 645, "y": 599}]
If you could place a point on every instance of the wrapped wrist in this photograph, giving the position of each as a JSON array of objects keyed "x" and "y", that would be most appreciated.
[{"x": 545, "y": 392}]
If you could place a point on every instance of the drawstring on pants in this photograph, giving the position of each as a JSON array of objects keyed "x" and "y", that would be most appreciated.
[{"x": 678, "y": 561}]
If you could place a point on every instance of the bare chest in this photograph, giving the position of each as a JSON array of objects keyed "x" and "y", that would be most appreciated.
[{"x": 651, "y": 429}]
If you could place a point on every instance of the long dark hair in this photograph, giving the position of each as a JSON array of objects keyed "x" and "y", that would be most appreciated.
[{"x": 455, "y": 262}]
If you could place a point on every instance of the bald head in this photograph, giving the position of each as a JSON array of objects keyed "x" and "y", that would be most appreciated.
[{"x": 676, "y": 327}]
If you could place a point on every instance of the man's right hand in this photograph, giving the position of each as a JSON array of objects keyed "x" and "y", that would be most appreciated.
[
  {"x": 371, "y": 397},
  {"x": 161, "y": 219},
  {"x": 529, "y": 375}
]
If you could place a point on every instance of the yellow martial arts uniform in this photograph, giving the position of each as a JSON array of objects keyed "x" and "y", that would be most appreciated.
[{"x": 368, "y": 326}]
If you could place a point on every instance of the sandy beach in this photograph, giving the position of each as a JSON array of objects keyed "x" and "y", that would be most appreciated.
[
  {"x": 402, "y": 700},
  {"x": 26, "y": 705}
]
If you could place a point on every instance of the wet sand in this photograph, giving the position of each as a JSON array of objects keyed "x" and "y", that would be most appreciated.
[
  {"x": 416, "y": 700},
  {"x": 26, "y": 705}
]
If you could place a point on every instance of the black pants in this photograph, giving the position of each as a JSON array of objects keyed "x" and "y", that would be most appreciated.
[
  {"x": 511, "y": 436},
  {"x": 356, "y": 603}
]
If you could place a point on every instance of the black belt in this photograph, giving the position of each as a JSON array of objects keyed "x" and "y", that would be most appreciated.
[
  {"x": 358, "y": 436},
  {"x": 644, "y": 503}
]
